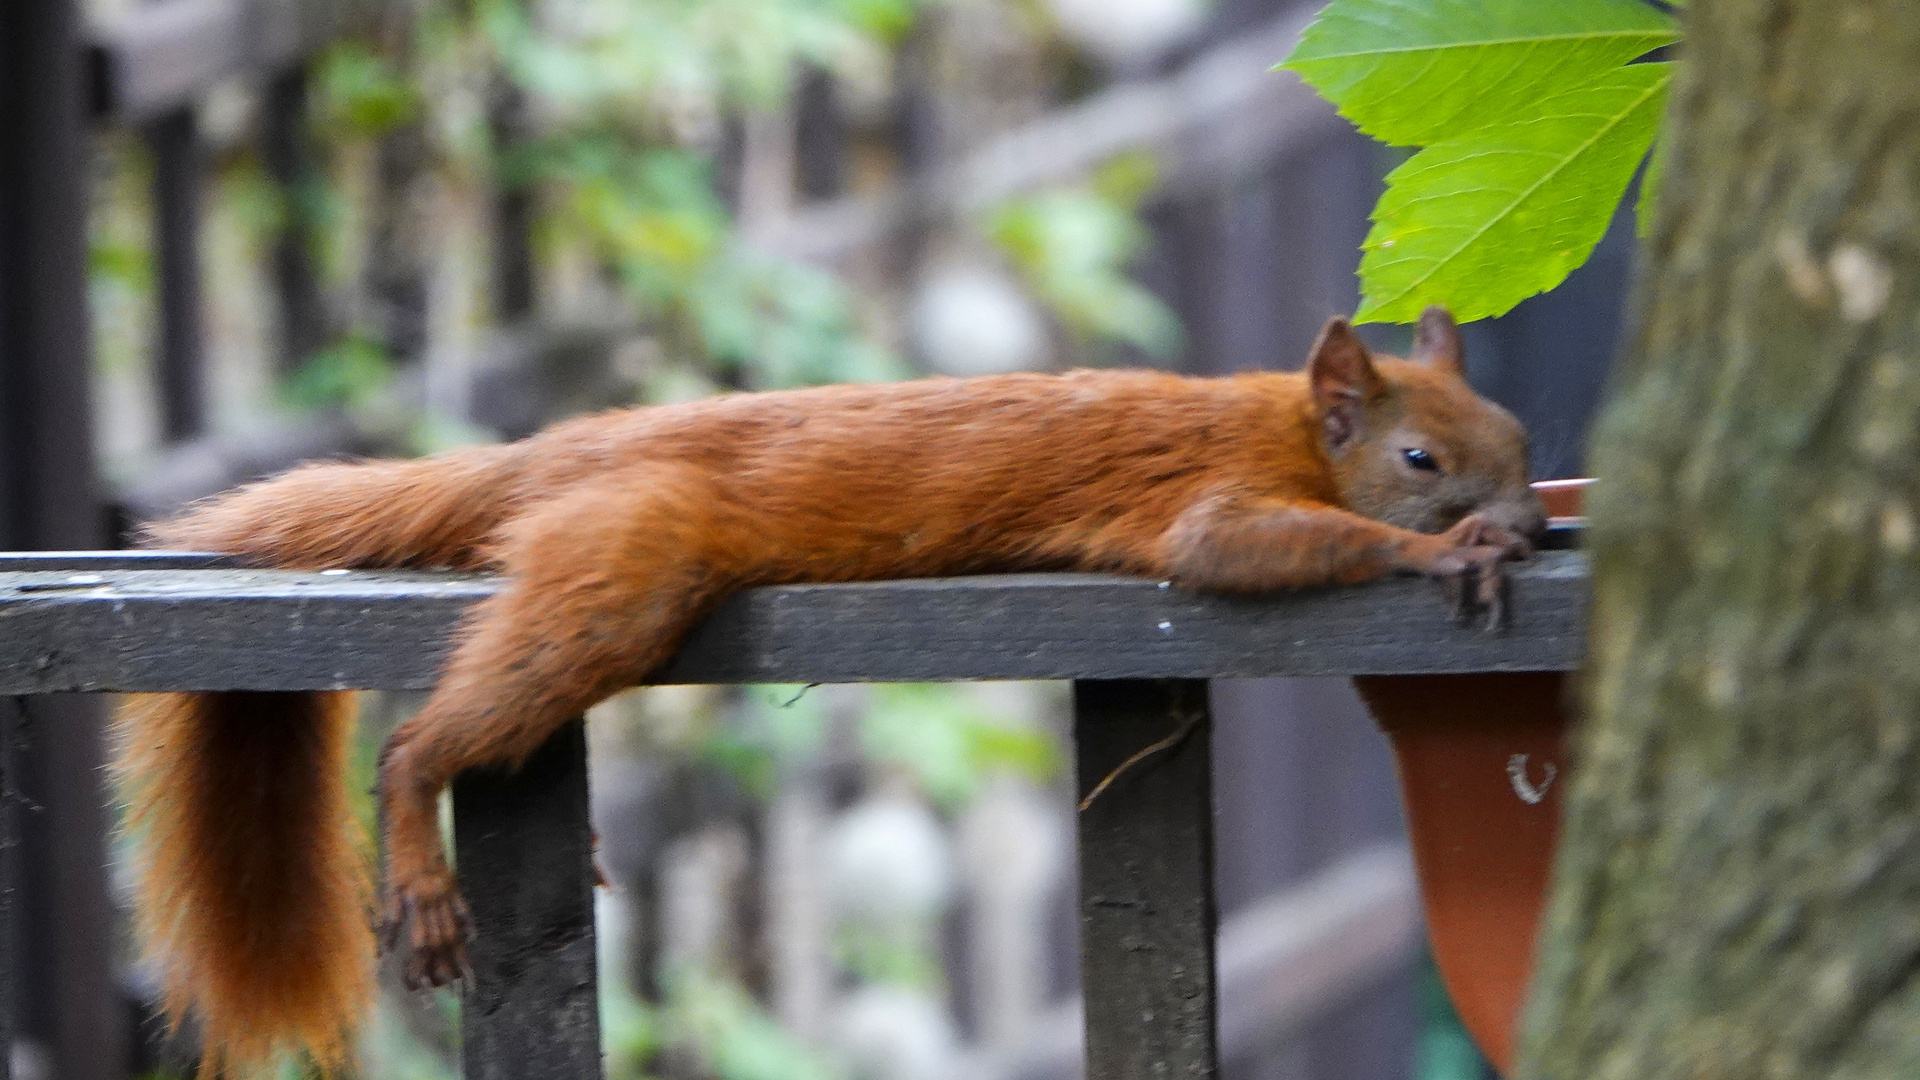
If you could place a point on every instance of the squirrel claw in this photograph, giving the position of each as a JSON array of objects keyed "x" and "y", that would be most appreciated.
[
  {"x": 1475, "y": 584},
  {"x": 1495, "y": 597},
  {"x": 1459, "y": 594},
  {"x": 434, "y": 926},
  {"x": 1470, "y": 568}
]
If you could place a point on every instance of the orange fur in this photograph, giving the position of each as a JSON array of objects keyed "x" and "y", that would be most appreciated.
[
  {"x": 615, "y": 532},
  {"x": 254, "y": 890}
]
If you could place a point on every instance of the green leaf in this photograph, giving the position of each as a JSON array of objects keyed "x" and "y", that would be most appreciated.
[
  {"x": 1414, "y": 72},
  {"x": 1485, "y": 220}
]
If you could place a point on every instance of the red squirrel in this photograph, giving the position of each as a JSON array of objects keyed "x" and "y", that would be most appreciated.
[{"x": 615, "y": 533}]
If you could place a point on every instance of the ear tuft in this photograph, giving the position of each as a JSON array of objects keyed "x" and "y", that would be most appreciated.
[
  {"x": 1341, "y": 373},
  {"x": 1436, "y": 341}
]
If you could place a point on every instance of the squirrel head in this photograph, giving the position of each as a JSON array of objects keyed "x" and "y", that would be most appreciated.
[{"x": 1410, "y": 443}]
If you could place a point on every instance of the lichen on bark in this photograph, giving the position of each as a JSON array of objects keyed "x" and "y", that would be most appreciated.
[{"x": 1738, "y": 886}]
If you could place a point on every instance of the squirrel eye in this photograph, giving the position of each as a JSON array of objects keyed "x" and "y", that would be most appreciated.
[{"x": 1420, "y": 459}]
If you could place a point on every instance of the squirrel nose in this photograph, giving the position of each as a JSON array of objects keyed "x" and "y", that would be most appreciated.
[{"x": 1523, "y": 515}]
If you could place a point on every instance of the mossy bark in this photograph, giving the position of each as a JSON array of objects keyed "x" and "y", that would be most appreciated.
[{"x": 1738, "y": 887}]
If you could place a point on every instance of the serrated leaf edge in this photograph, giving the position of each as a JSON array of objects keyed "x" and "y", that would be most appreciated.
[{"x": 1370, "y": 307}]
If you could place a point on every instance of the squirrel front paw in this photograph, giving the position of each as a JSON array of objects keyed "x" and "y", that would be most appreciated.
[
  {"x": 1468, "y": 559},
  {"x": 431, "y": 922}
]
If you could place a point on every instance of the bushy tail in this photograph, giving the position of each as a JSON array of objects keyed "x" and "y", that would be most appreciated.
[
  {"x": 430, "y": 512},
  {"x": 254, "y": 892}
]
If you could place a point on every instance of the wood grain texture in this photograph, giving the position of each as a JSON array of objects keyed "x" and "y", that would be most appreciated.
[
  {"x": 13, "y": 722},
  {"x": 524, "y": 845},
  {"x": 150, "y": 630},
  {"x": 1147, "y": 915}
]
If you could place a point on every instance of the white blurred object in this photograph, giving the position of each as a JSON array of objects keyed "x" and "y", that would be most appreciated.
[
  {"x": 794, "y": 907},
  {"x": 1014, "y": 846},
  {"x": 893, "y": 1033},
  {"x": 699, "y": 884},
  {"x": 30, "y": 1061},
  {"x": 1124, "y": 32},
  {"x": 970, "y": 319},
  {"x": 889, "y": 862}
]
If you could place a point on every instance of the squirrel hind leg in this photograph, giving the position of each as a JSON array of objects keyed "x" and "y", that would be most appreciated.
[{"x": 603, "y": 585}]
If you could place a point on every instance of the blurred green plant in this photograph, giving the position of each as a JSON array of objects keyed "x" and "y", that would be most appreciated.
[
  {"x": 623, "y": 79},
  {"x": 642, "y": 58},
  {"x": 350, "y": 373},
  {"x": 894, "y": 955},
  {"x": 937, "y": 733},
  {"x": 1072, "y": 248},
  {"x": 942, "y": 736},
  {"x": 361, "y": 93},
  {"x": 120, "y": 258},
  {"x": 732, "y": 1035},
  {"x": 653, "y": 216},
  {"x": 774, "y": 728}
]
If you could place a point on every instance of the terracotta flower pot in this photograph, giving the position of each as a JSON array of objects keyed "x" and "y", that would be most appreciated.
[{"x": 1482, "y": 765}]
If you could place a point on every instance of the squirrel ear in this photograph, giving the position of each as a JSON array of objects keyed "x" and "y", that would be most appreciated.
[
  {"x": 1341, "y": 372},
  {"x": 1436, "y": 341}
]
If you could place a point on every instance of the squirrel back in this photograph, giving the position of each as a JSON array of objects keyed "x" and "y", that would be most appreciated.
[{"x": 1012, "y": 471}]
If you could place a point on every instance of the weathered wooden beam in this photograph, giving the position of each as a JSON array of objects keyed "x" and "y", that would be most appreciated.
[
  {"x": 158, "y": 57},
  {"x": 16, "y": 562},
  {"x": 13, "y": 723},
  {"x": 92, "y": 630},
  {"x": 523, "y": 842},
  {"x": 287, "y": 150},
  {"x": 1222, "y": 116},
  {"x": 179, "y": 170},
  {"x": 1147, "y": 915},
  {"x": 65, "y": 947}
]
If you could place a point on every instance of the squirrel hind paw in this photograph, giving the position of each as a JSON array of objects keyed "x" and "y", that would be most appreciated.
[{"x": 433, "y": 929}]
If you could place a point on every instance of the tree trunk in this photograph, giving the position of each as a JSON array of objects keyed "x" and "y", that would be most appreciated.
[{"x": 1738, "y": 888}]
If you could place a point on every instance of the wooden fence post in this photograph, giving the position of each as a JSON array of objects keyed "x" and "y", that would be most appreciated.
[
  {"x": 65, "y": 996},
  {"x": 524, "y": 848},
  {"x": 13, "y": 721},
  {"x": 1147, "y": 915},
  {"x": 513, "y": 210},
  {"x": 286, "y": 148},
  {"x": 178, "y": 171}
]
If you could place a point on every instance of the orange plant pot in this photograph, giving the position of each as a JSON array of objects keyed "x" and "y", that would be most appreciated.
[{"x": 1482, "y": 764}]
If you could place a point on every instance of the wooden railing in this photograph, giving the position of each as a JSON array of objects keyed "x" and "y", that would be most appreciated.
[{"x": 1139, "y": 652}]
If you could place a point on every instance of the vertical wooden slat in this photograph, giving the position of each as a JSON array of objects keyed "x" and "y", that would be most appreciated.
[
  {"x": 174, "y": 140},
  {"x": 286, "y": 149},
  {"x": 1147, "y": 913},
  {"x": 525, "y": 854},
  {"x": 13, "y": 721},
  {"x": 820, "y": 136},
  {"x": 513, "y": 208},
  {"x": 48, "y": 499}
]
